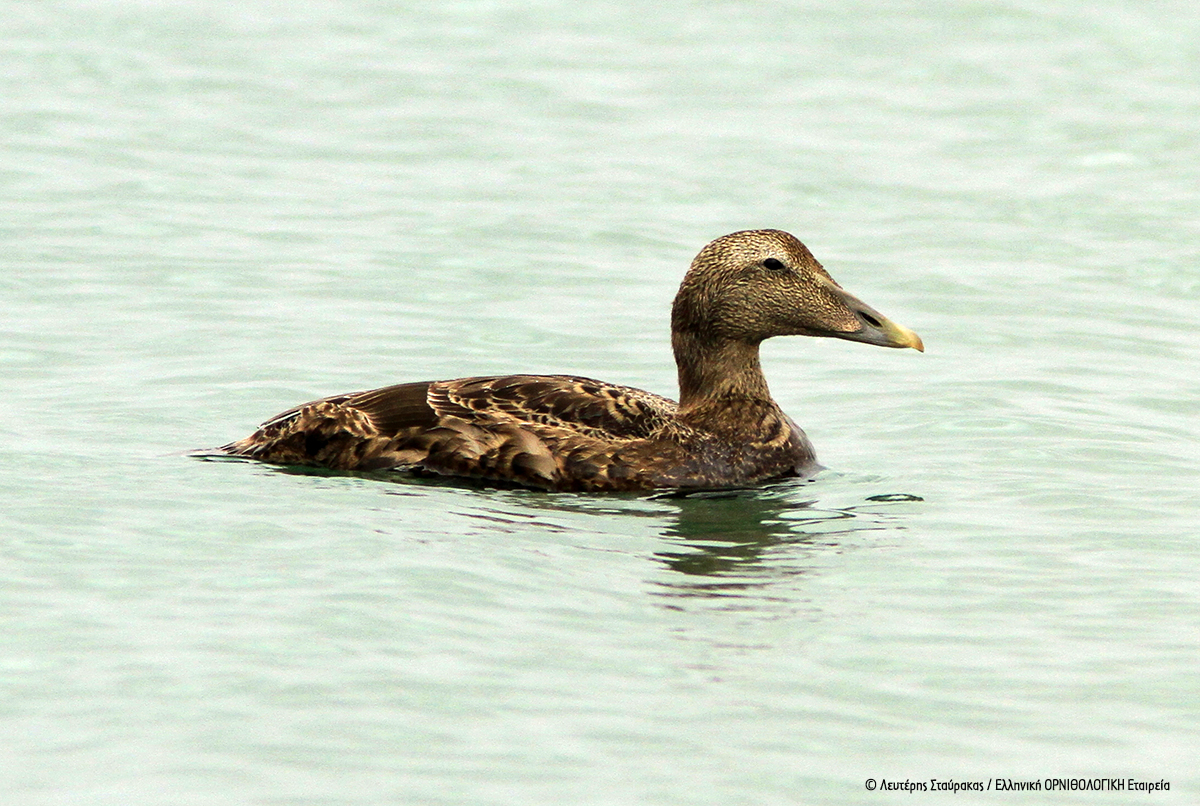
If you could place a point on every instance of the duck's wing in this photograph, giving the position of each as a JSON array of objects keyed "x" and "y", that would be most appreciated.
[
  {"x": 527, "y": 429},
  {"x": 585, "y": 406}
]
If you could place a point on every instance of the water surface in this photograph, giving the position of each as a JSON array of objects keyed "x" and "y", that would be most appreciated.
[{"x": 212, "y": 213}]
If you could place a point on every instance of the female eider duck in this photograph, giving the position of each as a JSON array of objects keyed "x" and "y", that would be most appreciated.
[{"x": 559, "y": 432}]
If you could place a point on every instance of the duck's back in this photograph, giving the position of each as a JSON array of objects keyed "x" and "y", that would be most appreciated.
[{"x": 550, "y": 431}]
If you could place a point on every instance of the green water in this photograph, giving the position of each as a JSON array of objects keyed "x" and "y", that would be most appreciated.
[{"x": 210, "y": 213}]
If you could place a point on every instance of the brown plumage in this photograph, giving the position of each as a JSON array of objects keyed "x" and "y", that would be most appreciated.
[{"x": 561, "y": 432}]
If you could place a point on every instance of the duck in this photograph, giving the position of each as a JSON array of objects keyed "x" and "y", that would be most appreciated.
[{"x": 574, "y": 434}]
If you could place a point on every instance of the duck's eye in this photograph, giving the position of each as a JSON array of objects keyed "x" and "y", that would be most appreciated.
[{"x": 773, "y": 264}]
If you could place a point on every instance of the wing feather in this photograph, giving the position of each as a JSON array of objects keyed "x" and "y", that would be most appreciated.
[
  {"x": 553, "y": 431},
  {"x": 593, "y": 408}
]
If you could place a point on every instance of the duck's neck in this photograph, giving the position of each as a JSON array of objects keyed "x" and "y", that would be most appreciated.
[{"x": 715, "y": 372}]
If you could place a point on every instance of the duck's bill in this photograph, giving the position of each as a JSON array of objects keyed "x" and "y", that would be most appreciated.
[
  {"x": 875, "y": 328},
  {"x": 899, "y": 336}
]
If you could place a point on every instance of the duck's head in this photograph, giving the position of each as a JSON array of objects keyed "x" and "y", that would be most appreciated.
[{"x": 756, "y": 284}]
